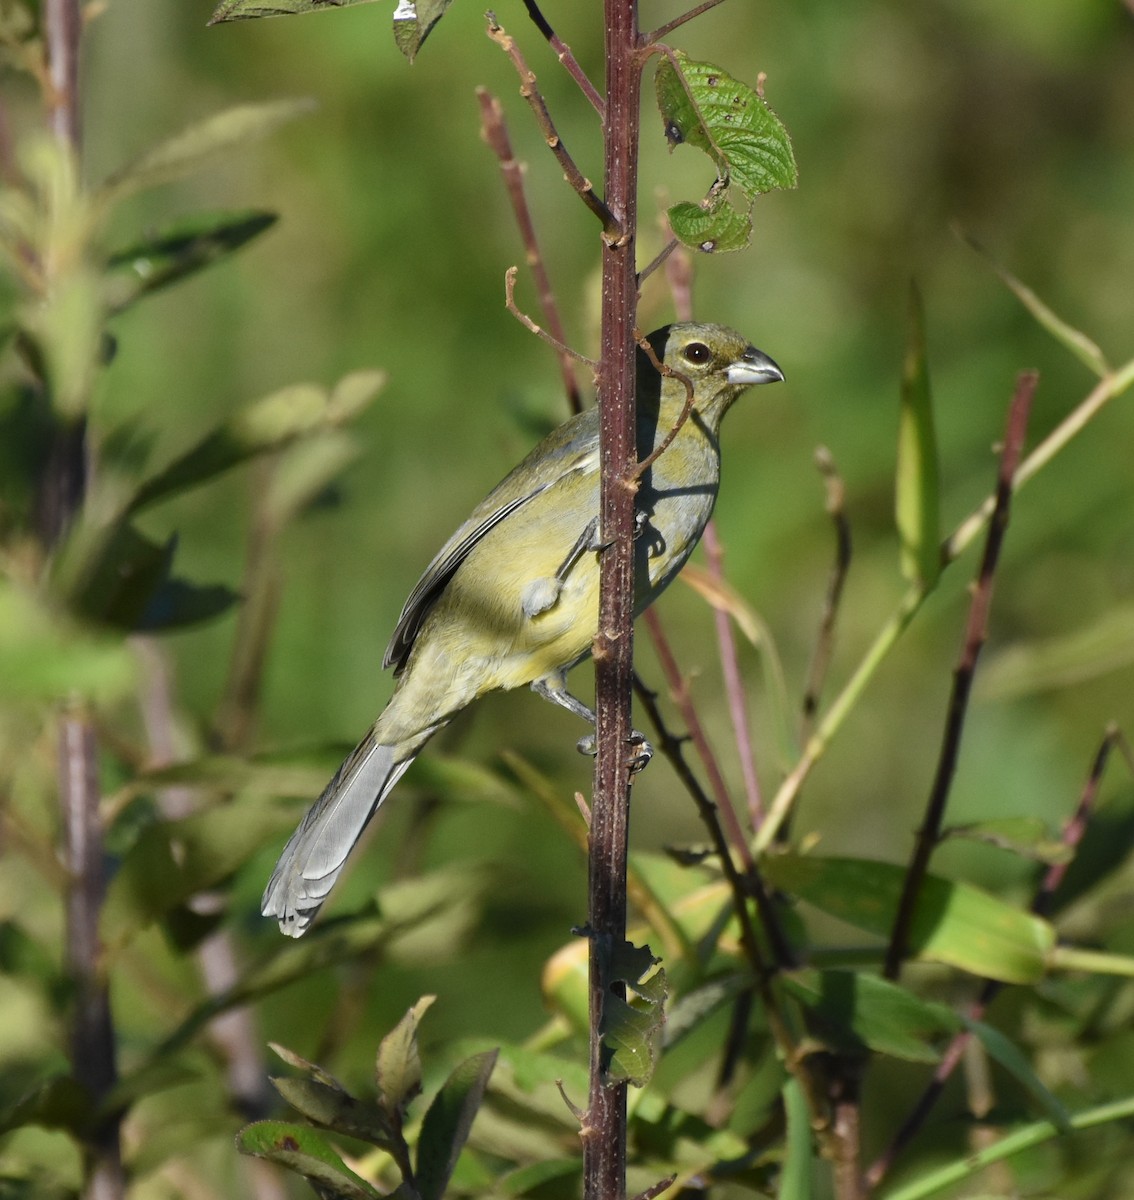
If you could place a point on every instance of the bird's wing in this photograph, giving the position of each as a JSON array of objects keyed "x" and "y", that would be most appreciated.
[{"x": 571, "y": 449}]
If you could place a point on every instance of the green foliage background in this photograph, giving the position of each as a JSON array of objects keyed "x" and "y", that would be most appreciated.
[{"x": 1015, "y": 120}]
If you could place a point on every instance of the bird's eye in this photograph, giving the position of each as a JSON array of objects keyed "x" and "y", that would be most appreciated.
[{"x": 697, "y": 353}]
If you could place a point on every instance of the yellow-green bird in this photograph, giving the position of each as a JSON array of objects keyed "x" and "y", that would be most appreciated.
[{"x": 513, "y": 596}]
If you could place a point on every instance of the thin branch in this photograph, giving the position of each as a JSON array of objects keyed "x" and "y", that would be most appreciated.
[
  {"x": 1072, "y": 836},
  {"x": 976, "y": 631},
  {"x": 666, "y": 372},
  {"x": 734, "y": 684},
  {"x": 612, "y": 228},
  {"x": 665, "y": 30},
  {"x": 563, "y": 52},
  {"x": 658, "y": 260},
  {"x": 560, "y": 347},
  {"x": 494, "y": 130},
  {"x": 824, "y": 643},
  {"x": 63, "y": 27}
]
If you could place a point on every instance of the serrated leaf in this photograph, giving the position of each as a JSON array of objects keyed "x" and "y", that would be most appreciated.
[
  {"x": 247, "y": 10},
  {"x": 194, "y": 147},
  {"x": 336, "y": 1109},
  {"x": 1004, "y": 1051},
  {"x": 447, "y": 1123},
  {"x": 308, "y": 1153},
  {"x": 706, "y": 107},
  {"x": 398, "y": 1066},
  {"x": 954, "y": 923},
  {"x": 179, "y": 251},
  {"x": 414, "y": 21},
  {"x": 917, "y": 484},
  {"x": 854, "y": 1012}
]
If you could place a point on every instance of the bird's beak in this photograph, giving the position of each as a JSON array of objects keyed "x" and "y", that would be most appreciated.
[{"x": 753, "y": 366}]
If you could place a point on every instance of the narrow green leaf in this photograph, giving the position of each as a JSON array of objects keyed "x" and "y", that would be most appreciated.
[
  {"x": 1015, "y": 1062},
  {"x": 1072, "y": 339},
  {"x": 336, "y": 1109},
  {"x": 308, "y": 1153},
  {"x": 954, "y": 923},
  {"x": 448, "y": 1121},
  {"x": 917, "y": 484},
  {"x": 1029, "y": 837},
  {"x": 531, "y": 1180},
  {"x": 246, "y": 10},
  {"x": 398, "y": 1066},
  {"x": 190, "y": 150},
  {"x": 1100, "y": 962},
  {"x": 310, "y": 1069},
  {"x": 179, "y": 251},
  {"x": 853, "y": 1012},
  {"x": 795, "y": 1179},
  {"x": 413, "y": 22}
]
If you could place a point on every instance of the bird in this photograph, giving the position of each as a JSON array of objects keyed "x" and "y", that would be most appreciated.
[{"x": 512, "y": 598}]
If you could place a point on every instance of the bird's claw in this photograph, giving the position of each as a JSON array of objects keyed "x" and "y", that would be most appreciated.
[{"x": 643, "y": 751}]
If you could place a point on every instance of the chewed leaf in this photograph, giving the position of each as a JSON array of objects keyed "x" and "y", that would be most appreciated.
[
  {"x": 413, "y": 22},
  {"x": 631, "y": 1029},
  {"x": 247, "y": 10},
  {"x": 707, "y": 108}
]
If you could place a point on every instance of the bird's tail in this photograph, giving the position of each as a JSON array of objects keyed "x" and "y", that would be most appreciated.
[{"x": 318, "y": 849}]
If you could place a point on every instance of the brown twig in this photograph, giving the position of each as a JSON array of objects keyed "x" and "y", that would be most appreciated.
[
  {"x": 658, "y": 260},
  {"x": 976, "y": 631},
  {"x": 563, "y": 52},
  {"x": 734, "y": 685},
  {"x": 612, "y": 228},
  {"x": 510, "y": 303},
  {"x": 494, "y": 130},
  {"x": 824, "y": 642},
  {"x": 640, "y": 468},
  {"x": 664, "y": 30},
  {"x": 1072, "y": 835}
]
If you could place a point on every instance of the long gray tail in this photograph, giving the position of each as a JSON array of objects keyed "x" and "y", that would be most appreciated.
[{"x": 318, "y": 849}]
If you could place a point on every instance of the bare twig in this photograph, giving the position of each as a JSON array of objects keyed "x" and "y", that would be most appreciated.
[
  {"x": 734, "y": 685},
  {"x": 510, "y": 303},
  {"x": 494, "y": 130},
  {"x": 658, "y": 260},
  {"x": 613, "y": 230},
  {"x": 824, "y": 643},
  {"x": 563, "y": 51},
  {"x": 976, "y": 631},
  {"x": 1072, "y": 836},
  {"x": 664, "y": 30},
  {"x": 665, "y": 371}
]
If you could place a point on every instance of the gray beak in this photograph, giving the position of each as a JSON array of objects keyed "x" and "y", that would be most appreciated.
[{"x": 754, "y": 366}]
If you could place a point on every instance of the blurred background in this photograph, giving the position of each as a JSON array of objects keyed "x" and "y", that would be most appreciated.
[{"x": 1013, "y": 121}]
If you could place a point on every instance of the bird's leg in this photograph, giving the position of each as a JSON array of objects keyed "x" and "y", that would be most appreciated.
[
  {"x": 542, "y": 594},
  {"x": 554, "y": 688}
]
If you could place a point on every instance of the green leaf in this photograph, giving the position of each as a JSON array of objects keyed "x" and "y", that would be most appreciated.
[
  {"x": 268, "y": 424},
  {"x": 246, "y": 10},
  {"x": 190, "y": 150},
  {"x": 531, "y": 1180},
  {"x": 795, "y": 1180},
  {"x": 398, "y": 1066},
  {"x": 307, "y": 1152},
  {"x": 1015, "y": 1062},
  {"x": 1029, "y": 837},
  {"x": 853, "y": 1012},
  {"x": 174, "y": 860},
  {"x": 704, "y": 106},
  {"x": 448, "y": 1121},
  {"x": 631, "y": 1030},
  {"x": 179, "y": 251},
  {"x": 413, "y": 22},
  {"x": 1072, "y": 339},
  {"x": 954, "y": 923},
  {"x": 58, "y": 1103},
  {"x": 336, "y": 1109},
  {"x": 48, "y": 657},
  {"x": 917, "y": 484}
]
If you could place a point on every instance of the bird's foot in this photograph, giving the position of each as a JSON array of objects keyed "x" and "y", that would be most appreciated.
[{"x": 643, "y": 751}]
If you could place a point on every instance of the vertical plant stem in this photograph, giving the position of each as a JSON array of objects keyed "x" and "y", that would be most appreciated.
[{"x": 604, "y": 1140}]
